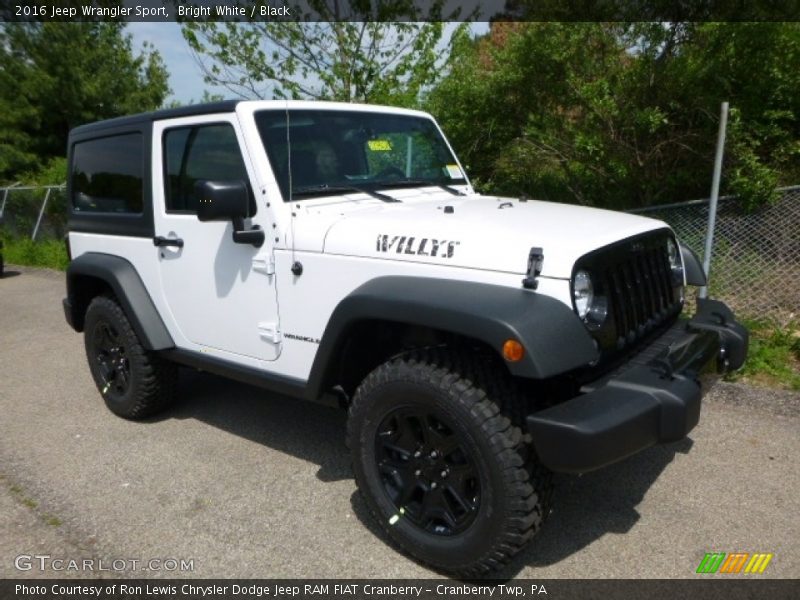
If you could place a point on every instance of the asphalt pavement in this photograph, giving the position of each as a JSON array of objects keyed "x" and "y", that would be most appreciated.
[{"x": 236, "y": 482}]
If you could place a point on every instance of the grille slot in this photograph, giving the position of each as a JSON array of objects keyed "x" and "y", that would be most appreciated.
[{"x": 637, "y": 283}]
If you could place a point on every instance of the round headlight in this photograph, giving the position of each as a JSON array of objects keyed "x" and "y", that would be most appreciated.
[
  {"x": 598, "y": 311},
  {"x": 675, "y": 262},
  {"x": 582, "y": 293},
  {"x": 672, "y": 252}
]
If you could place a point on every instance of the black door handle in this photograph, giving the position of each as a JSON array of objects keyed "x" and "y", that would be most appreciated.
[{"x": 162, "y": 241}]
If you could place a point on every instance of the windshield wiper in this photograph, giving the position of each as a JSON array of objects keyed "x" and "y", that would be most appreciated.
[
  {"x": 333, "y": 189},
  {"x": 425, "y": 182}
]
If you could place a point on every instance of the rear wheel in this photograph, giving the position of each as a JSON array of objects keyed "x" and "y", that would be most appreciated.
[
  {"x": 134, "y": 383},
  {"x": 443, "y": 470}
]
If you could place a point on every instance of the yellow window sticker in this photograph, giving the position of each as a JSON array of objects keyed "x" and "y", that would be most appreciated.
[
  {"x": 454, "y": 172},
  {"x": 379, "y": 145}
]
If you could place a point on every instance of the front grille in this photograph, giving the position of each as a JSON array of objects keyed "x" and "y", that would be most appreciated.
[
  {"x": 640, "y": 293},
  {"x": 635, "y": 277}
]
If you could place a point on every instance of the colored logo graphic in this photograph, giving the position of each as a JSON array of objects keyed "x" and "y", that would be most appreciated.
[{"x": 735, "y": 562}]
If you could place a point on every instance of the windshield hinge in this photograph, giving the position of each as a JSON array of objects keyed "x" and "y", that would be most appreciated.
[{"x": 264, "y": 263}]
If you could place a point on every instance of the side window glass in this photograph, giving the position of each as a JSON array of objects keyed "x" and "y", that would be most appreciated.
[
  {"x": 192, "y": 154},
  {"x": 107, "y": 175}
]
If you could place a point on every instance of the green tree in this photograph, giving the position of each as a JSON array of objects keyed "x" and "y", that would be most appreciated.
[
  {"x": 367, "y": 61},
  {"x": 622, "y": 115},
  {"x": 55, "y": 76}
]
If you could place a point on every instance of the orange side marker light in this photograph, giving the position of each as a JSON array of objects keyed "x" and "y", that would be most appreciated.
[{"x": 513, "y": 351}]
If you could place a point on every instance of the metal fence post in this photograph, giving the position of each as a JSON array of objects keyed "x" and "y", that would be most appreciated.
[
  {"x": 712, "y": 207},
  {"x": 5, "y": 198},
  {"x": 41, "y": 212}
]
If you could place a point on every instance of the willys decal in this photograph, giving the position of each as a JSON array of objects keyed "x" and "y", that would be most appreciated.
[{"x": 402, "y": 244}]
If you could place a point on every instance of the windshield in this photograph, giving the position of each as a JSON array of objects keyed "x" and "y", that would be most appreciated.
[{"x": 342, "y": 151}]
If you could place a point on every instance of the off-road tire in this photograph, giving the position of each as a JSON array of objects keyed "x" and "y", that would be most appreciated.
[
  {"x": 456, "y": 389},
  {"x": 150, "y": 383}
]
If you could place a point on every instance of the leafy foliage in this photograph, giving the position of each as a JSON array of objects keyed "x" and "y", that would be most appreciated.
[
  {"x": 622, "y": 115},
  {"x": 55, "y": 76},
  {"x": 773, "y": 356},
  {"x": 42, "y": 253},
  {"x": 363, "y": 59}
]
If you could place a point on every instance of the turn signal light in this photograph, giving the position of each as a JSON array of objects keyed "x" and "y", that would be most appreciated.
[{"x": 513, "y": 351}]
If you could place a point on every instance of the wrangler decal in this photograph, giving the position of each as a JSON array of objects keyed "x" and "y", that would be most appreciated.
[
  {"x": 402, "y": 244},
  {"x": 301, "y": 338}
]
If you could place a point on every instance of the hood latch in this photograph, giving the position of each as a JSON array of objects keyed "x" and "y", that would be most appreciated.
[{"x": 535, "y": 261}]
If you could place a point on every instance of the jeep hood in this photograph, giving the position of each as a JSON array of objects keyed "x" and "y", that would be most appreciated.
[{"x": 476, "y": 232}]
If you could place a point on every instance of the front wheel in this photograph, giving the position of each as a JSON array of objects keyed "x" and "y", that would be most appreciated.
[{"x": 441, "y": 468}]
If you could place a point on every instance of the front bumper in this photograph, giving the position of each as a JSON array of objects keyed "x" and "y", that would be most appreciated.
[{"x": 654, "y": 398}]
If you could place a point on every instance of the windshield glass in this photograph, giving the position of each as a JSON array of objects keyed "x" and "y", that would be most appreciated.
[{"x": 334, "y": 152}]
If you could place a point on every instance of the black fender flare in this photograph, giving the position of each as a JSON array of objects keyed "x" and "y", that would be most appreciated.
[
  {"x": 121, "y": 276},
  {"x": 554, "y": 338}
]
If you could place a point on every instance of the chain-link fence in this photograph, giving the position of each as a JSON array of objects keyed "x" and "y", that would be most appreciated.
[
  {"x": 33, "y": 212},
  {"x": 755, "y": 264}
]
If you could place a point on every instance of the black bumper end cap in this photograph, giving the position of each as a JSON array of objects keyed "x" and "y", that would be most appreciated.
[
  {"x": 639, "y": 410},
  {"x": 713, "y": 315}
]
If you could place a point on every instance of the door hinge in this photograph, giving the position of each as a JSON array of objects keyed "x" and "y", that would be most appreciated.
[
  {"x": 269, "y": 331},
  {"x": 264, "y": 263}
]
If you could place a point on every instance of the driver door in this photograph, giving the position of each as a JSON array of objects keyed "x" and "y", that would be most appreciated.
[{"x": 220, "y": 295}]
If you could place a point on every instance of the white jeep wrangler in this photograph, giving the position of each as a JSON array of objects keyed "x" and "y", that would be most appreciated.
[{"x": 337, "y": 251}]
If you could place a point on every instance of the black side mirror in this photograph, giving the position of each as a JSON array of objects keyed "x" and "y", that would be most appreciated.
[
  {"x": 227, "y": 201},
  {"x": 221, "y": 200}
]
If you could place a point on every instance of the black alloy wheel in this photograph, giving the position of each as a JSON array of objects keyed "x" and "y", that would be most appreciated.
[
  {"x": 112, "y": 360},
  {"x": 427, "y": 471}
]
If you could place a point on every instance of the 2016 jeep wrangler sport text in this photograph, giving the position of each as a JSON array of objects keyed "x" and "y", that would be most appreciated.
[{"x": 338, "y": 251}]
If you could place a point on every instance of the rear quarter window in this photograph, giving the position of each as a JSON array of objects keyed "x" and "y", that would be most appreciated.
[{"x": 107, "y": 174}]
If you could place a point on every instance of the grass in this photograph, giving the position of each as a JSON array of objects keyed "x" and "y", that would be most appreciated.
[
  {"x": 25, "y": 500},
  {"x": 20, "y": 494},
  {"x": 773, "y": 359},
  {"x": 53, "y": 521},
  {"x": 44, "y": 253}
]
